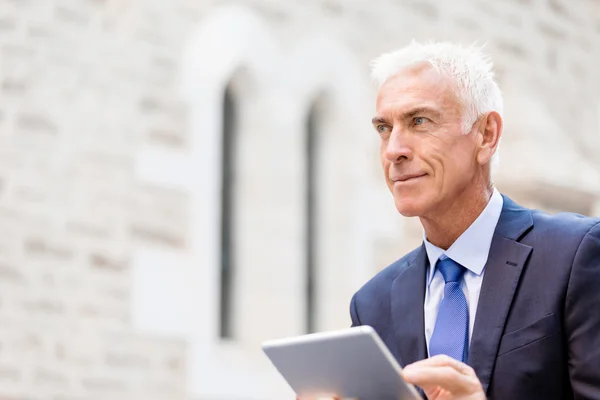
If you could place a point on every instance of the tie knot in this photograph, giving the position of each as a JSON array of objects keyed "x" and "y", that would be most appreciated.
[{"x": 450, "y": 269}]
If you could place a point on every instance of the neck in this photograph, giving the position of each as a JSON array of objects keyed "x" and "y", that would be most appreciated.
[{"x": 451, "y": 221}]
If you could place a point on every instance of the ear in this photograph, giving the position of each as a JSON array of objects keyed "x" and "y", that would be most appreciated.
[{"x": 489, "y": 133}]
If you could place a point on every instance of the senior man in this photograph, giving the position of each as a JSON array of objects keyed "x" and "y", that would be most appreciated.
[{"x": 500, "y": 301}]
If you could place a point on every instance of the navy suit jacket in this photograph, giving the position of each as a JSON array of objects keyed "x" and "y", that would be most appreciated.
[{"x": 537, "y": 328}]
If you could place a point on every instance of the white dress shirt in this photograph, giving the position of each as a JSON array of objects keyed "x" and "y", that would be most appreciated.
[{"x": 471, "y": 251}]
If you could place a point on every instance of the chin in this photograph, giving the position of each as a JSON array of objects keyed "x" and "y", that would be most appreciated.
[{"x": 409, "y": 208}]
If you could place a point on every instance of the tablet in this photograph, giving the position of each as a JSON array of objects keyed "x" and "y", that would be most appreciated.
[{"x": 350, "y": 363}]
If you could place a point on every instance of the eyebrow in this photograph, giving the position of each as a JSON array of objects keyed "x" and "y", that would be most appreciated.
[
  {"x": 378, "y": 120},
  {"x": 410, "y": 114}
]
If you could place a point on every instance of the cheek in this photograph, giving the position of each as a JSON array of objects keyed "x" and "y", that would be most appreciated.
[
  {"x": 382, "y": 159},
  {"x": 455, "y": 169},
  {"x": 466, "y": 158},
  {"x": 382, "y": 147},
  {"x": 451, "y": 156},
  {"x": 436, "y": 158}
]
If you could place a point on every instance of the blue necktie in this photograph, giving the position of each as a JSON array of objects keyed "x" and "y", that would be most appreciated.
[{"x": 451, "y": 332}]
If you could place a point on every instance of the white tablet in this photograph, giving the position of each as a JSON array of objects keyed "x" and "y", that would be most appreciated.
[{"x": 351, "y": 363}]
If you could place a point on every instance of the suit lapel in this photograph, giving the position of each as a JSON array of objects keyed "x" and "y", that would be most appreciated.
[
  {"x": 502, "y": 273},
  {"x": 407, "y": 297}
]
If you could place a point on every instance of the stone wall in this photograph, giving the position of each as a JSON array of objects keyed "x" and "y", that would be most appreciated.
[
  {"x": 79, "y": 83},
  {"x": 103, "y": 157}
]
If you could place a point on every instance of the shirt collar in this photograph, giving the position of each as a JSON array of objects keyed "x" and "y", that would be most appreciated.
[{"x": 471, "y": 249}]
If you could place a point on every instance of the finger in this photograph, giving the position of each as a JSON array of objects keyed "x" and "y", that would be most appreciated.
[
  {"x": 446, "y": 377},
  {"x": 443, "y": 360}
]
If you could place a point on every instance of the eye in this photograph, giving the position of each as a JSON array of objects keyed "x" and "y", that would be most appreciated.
[
  {"x": 420, "y": 120},
  {"x": 382, "y": 128}
]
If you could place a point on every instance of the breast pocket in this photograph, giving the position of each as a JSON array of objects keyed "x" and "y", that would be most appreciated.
[{"x": 540, "y": 329}]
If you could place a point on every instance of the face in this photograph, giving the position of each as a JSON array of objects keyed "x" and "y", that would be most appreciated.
[{"x": 426, "y": 157}]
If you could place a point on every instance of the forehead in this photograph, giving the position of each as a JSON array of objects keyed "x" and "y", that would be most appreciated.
[{"x": 417, "y": 87}]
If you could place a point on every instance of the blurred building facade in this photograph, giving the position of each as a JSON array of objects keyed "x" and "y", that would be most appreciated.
[{"x": 182, "y": 180}]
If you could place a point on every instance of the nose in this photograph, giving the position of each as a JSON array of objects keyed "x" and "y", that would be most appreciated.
[{"x": 398, "y": 147}]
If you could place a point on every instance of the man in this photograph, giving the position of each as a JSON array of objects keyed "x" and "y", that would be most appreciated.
[{"x": 500, "y": 301}]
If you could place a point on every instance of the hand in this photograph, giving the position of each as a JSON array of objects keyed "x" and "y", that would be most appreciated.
[{"x": 444, "y": 378}]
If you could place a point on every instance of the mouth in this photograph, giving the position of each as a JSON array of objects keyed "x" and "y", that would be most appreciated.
[{"x": 409, "y": 178}]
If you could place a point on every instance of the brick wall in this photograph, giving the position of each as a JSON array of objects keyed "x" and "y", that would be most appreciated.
[
  {"x": 84, "y": 84},
  {"x": 81, "y": 84}
]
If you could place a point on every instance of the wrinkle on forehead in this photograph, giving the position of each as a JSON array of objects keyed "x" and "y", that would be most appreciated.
[{"x": 418, "y": 86}]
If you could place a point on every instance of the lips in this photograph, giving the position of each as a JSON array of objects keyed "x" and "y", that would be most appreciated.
[{"x": 407, "y": 177}]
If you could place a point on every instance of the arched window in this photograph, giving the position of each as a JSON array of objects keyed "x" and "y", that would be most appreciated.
[{"x": 227, "y": 217}]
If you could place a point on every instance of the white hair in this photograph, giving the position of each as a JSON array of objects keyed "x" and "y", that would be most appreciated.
[{"x": 470, "y": 69}]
